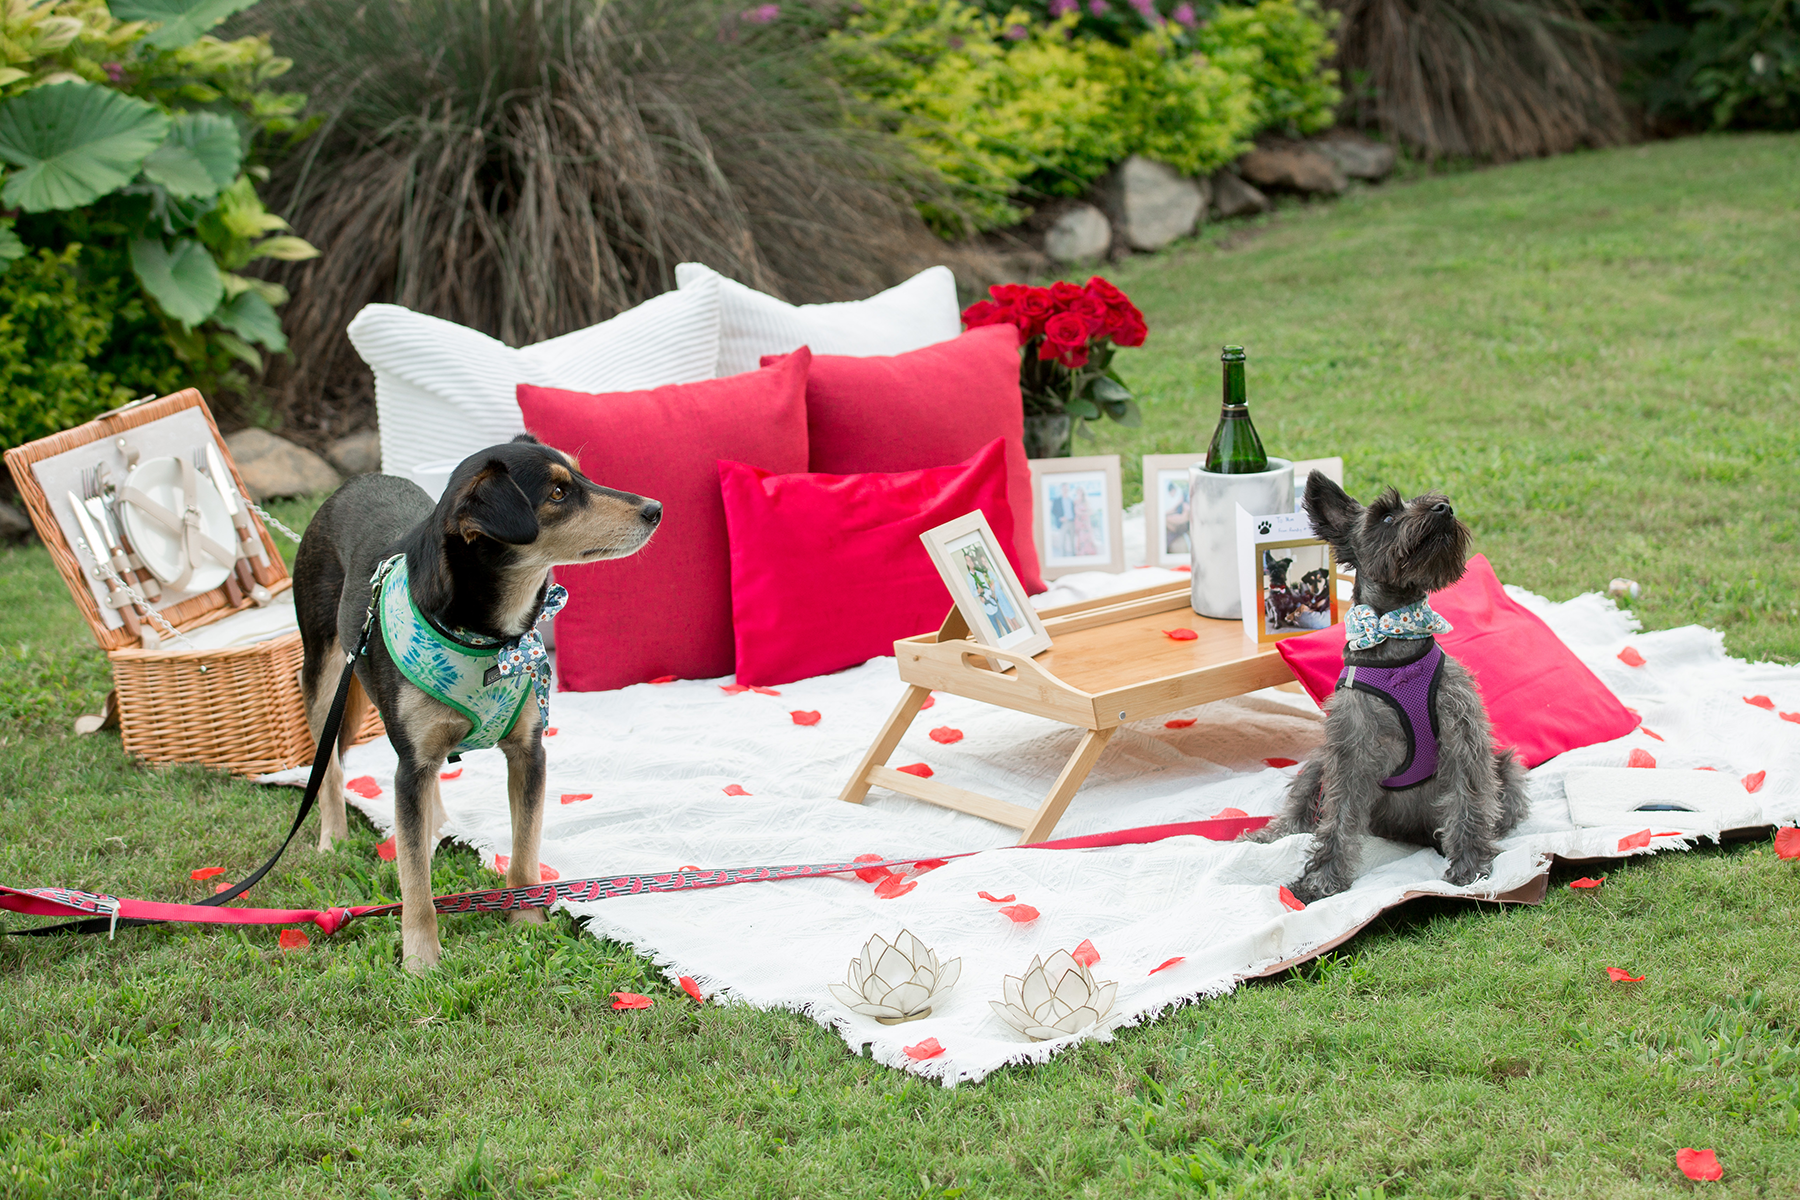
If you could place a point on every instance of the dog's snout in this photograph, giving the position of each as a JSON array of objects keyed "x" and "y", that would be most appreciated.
[
  {"x": 1442, "y": 508},
  {"x": 651, "y": 512}
]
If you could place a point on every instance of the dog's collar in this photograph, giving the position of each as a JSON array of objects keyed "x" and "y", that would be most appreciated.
[{"x": 1363, "y": 627}]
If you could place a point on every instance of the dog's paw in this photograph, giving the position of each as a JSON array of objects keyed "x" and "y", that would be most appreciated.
[
  {"x": 421, "y": 956},
  {"x": 526, "y": 916},
  {"x": 1463, "y": 873},
  {"x": 1309, "y": 888}
]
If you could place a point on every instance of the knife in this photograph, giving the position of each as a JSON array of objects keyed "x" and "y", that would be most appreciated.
[
  {"x": 109, "y": 498},
  {"x": 109, "y": 538},
  {"x": 118, "y": 599},
  {"x": 248, "y": 542}
]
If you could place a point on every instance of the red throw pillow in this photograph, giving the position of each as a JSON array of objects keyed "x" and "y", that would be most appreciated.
[
  {"x": 667, "y": 609},
  {"x": 827, "y": 570},
  {"x": 1540, "y": 698},
  {"x": 930, "y": 407}
]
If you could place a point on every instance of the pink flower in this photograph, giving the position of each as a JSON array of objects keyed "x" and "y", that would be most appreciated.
[
  {"x": 1184, "y": 15},
  {"x": 762, "y": 14},
  {"x": 114, "y": 71},
  {"x": 1016, "y": 33},
  {"x": 1060, "y": 8},
  {"x": 1099, "y": 7},
  {"x": 1145, "y": 9}
]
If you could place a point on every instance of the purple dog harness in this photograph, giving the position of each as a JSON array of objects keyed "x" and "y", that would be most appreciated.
[{"x": 1409, "y": 689}]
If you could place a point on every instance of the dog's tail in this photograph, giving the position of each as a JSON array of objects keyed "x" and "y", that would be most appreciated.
[{"x": 1515, "y": 798}]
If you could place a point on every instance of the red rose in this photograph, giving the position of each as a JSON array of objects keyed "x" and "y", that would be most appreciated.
[
  {"x": 1062, "y": 291},
  {"x": 1064, "y": 334},
  {"x": 1032, "y": 310},
  {"x": 1132, "y": 330},
  {"x": 1009, "y": 293},
  {"x": 1094, "y": 311},
  {"x": 982, "y": 312},
  {"x": 1075, "y": 358},
  {"x": 1105, "y": 292}
]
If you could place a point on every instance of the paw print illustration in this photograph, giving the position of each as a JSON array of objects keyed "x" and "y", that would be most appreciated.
[{"x": 1262, "y": 527}]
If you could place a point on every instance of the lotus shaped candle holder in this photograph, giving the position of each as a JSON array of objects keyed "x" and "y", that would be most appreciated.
[
  {"x": 1054, "y": 999},
  {"x": 896, "y": 983}
]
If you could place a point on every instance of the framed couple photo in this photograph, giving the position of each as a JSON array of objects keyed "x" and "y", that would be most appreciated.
[{"x": 1077, "y": 517}]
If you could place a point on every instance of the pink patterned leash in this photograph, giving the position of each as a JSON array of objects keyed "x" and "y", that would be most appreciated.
[{"x": 69, "y": 902}]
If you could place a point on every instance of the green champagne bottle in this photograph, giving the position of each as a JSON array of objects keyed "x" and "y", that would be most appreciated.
[{"x": 1235, "y": 449}]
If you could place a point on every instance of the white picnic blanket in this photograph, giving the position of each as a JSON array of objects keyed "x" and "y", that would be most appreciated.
[{"x": 637, "y": 782}]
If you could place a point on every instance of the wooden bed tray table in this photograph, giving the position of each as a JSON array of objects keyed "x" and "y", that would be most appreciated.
[{"x": 1111, "y": 663}]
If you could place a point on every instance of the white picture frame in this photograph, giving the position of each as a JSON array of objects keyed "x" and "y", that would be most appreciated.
[
  {"x": 1166, "y": 508},
  {"x": 1077, "y": 514},
  {"x": 974, "y": 567},
  {"x": 1331, "y": 468}
]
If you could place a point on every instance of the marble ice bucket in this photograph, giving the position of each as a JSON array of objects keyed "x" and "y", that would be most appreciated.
[{"x": 1212, "y": 528}]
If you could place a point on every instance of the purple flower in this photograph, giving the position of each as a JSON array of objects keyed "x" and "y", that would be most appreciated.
[
  {"x": 1099, "y": 7},
  {"x": 956, "y": 43},
  {"x": 1184, "y": 14},
  {"x": 1061, "y": 7},
  {"x": 1145, "y": 9},
  {"x": 1016, "y": 33},
  {"x": 762, "y": 14},
  {"x": 114, "y": 71}
]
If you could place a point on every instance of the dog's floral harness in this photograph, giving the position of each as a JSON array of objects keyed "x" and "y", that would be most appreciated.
[
  {"x": 485, "y": 679},
  {"x": 1410, "y": 688}
]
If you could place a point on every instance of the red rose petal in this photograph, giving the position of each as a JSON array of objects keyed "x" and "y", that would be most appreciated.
[
  {"x": 1630, "y": 657},
  {"x": 205, "y": 872},
  {"x": 1279, "y": 762},
  {"x": 1649, "y": 732},
  {"x": 387, "y": 851},
  {"x": 734, "y": 689},
  {"x": 1180, "y": 723},
  {"x": 1699, "y": 1165},
  {"x": 691, "y": 988},
  {"x": 1181, "y": 635},
  {"x": 688, "y": 870},
  {"x": 576, "y": 797},
  {"x": 1292, "y": 901},
  {"x": 894, "y": 886},
  {"x": 1167, "y": 963},
  {"x": 930, "y": 864},
  {"x": 364, "y": 786},
  {"x": 1007, "y": 899},
  {"x": 943, "y": 735},
  {"x": 663, "y": 679},
  {"x": 1227, "y": 813},
  {"x": 1670, "y": 833},
  {"x": 928, "y": 1048},
  {"x": 871, "y": 874},
  {"x": 447, "y": 776},
  {"x": 1189, "y": 570},
  {"x": 1640, "y": 758},
  {"x": 1619, "y": 976},
  {"x": 1635, "y": 841},
  {"x": 1753, "y": 782},
  {"x": 550, "y": 732},
  {"x": 1584, "y": 882},
  {"x": 804, "y": 718},
  {"x": 734, "y": 789},
  {"x": 294, "y": 939},
  {"x": 1787, "y": 843},
  {"x": 763, "y": 691},
  {"x": 1760, "y": 702},
  {"x": 1020, "y": 914},
  {"x": 1793, "y": 716},
  {"x": 501, "y": 862},
  {"x": 548, "y": 873},
  {"x": 630, "y": 1000},
  {"x": 1706, "y": 768},
  {"x": 919, "y": 769},
  {"x": 930, "y": 701},
  {"x": 223, "y": 887},
  {"x": 1085, "y": 954}
]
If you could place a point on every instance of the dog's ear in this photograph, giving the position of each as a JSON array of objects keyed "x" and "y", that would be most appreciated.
[
  {"x": 492, "y": 505},
  {"x": 1334, "y": 515}
]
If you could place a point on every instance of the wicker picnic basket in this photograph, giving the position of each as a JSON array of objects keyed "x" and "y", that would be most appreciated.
[{"x": 237, "y": 707}]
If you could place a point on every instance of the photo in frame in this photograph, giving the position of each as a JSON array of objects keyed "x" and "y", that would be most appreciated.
[
  {"x": 1331, "y": 468},
  {"x": 981, "y": 581},
  {"x": 1077, "y": 514},
  {"x": 1166, "y": 510},
  {"x": 1290, "y": 580}
]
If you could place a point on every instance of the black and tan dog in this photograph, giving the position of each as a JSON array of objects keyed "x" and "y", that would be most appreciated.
[{"x": 477, "y": 563}]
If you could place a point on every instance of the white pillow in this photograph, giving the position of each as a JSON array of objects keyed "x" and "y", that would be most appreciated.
[
  {"x": 919, "y": 312},
  {"x": 443, "y": 391}
]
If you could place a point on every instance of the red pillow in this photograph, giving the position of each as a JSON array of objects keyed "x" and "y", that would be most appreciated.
[
  {"x": 1540, "y": 698},
  {"x": 827, "y": 570},
  {"x": 927, "y": 408},
  {"x": 667, "y": 609}
]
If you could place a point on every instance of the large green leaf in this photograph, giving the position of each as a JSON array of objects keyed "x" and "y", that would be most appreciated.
[
  {"x": 11, "y": 247},
  {"x": 75, "y": 143},
  {"x": 200, "y": 157},
  {"x": 184, "y": 281},
  {"x": 251, "y": 318},
  {"x": 179, "y": 21}
]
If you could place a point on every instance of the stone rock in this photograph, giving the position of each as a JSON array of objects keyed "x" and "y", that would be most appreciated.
[
  {"x": 1293, "y": 167},
  {"x": 15, "y": 526},
  {"x": 273, "y": 466},
  {"x": 1232, "y": 197},
  {"x": 1081, "y": 233},
  {"x": 1356, "y": 156},
  {"x": 357, "y": 454},
  {"x": 1153, "y": 204}
]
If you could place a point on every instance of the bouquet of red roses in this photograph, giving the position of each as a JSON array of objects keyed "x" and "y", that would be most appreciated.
[{"x": 1069, "y": 335}]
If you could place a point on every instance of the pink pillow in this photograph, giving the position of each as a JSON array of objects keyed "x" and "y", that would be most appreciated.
[
  {"x": 1540, "y": 698},
  {"x": 927, "y": 408},
  {"x": 827, "y": 570},
  {"x": 667, "y": 609}
]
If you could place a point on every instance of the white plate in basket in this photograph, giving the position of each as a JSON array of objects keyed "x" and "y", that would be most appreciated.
[{"x": 160, "y": 479}]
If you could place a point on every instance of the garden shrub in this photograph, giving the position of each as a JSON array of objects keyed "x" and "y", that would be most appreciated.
[
  {"x": 1281, "y": 47},
  {"x": 1719, "y": 63}
]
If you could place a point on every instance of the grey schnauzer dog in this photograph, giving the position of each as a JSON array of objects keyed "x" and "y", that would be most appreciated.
[{"x": 1408, "y": 752}]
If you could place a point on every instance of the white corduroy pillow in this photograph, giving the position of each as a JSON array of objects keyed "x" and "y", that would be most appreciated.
[
  {"x": 443, "y": 391},
  {"x": 920, "y": 312}
]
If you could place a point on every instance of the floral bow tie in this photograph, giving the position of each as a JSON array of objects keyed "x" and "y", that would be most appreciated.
[
  {"x": 526, "y": 652},
  {"x": 1416, "y": 620}
]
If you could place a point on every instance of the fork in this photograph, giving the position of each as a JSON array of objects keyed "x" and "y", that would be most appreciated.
[
  {"x": 102, "y": 486},
  {"x": 233, "y": 589}
]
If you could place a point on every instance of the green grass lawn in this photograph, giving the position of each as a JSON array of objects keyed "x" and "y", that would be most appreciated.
[{"x": 1595, "y": 355}]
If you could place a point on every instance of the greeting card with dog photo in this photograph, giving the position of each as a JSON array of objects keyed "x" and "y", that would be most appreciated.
[{"x": 1291, "y": 581}]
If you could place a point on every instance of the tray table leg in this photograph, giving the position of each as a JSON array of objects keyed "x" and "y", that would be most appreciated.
[
  {"x": 1074, "y": 774},
  {"x": 890, "y": 736}
]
